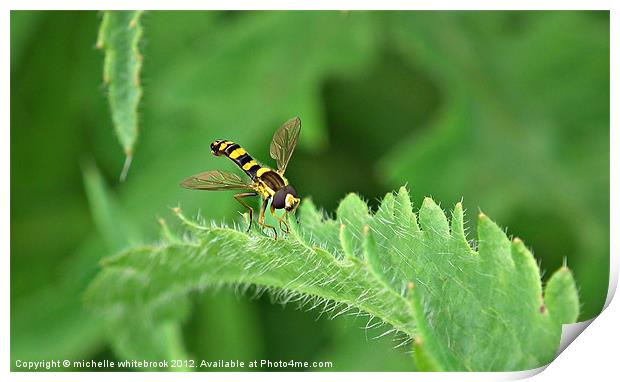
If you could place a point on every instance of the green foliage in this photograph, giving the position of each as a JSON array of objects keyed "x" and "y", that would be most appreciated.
[
  {"x": 111, "y": 222},
  {"x": 119, "y": 36},
  {"x": 561, "y": 296},
  {"x": 464, "y": 309},
  {"x": 139, "y": 336},
  {"x": 53, "y": 322},
  {"x": 507, "y": 97}
]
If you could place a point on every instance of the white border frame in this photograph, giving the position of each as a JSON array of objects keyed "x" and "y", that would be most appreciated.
[{"x": 596, "y": 349}]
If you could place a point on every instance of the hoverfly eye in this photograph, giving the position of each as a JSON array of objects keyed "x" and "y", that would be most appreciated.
[{"x": 279, "y": 199}]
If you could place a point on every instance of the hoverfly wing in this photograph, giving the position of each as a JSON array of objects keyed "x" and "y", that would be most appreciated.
[
  {"x": 216, "y": 180},
  {"x": 284, "y": 141}
]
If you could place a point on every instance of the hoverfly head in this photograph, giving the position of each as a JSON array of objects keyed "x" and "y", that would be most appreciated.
[
  {"x": 291, "y": 202},
  {"x": 286, "y": 198}
]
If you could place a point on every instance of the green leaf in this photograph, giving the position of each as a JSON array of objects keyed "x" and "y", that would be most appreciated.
[
  {"x": 561, "y": 296},
  {"x": 108, "y": 216},
  {"x": 463, "y": 309},
  {"x": 119, "y": 37},
  {"x": 502, "y": 101},
  {"x": 52, "y": 322},
  {"x": 139, "y": 337}
]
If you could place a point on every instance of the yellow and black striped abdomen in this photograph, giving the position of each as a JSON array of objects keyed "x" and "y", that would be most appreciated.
[
  {"x": 271, "y": 179},
  {"x": 238, "y": 155}
]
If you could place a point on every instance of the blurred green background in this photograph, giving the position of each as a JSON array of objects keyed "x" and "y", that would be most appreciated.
[{"x": 507, "y": 110}]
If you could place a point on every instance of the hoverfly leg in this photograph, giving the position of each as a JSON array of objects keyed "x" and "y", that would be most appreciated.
[
  {"x": 281, "y": 220},
  {"x": 261, "y": 219},
  {"x": 238, "y": 198}
]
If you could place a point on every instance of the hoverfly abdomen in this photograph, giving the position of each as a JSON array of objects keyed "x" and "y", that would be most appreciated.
[
  {"x": 237, "y": 154},
  {"x": 215, "y": 147},
  {"x": 219, "y": 146}
]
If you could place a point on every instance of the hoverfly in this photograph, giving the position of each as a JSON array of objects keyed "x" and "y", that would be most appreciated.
[{"x": 270, "y": 185}]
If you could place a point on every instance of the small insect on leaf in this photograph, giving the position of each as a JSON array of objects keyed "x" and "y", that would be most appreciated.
[{"x": 271, "y": 186}]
